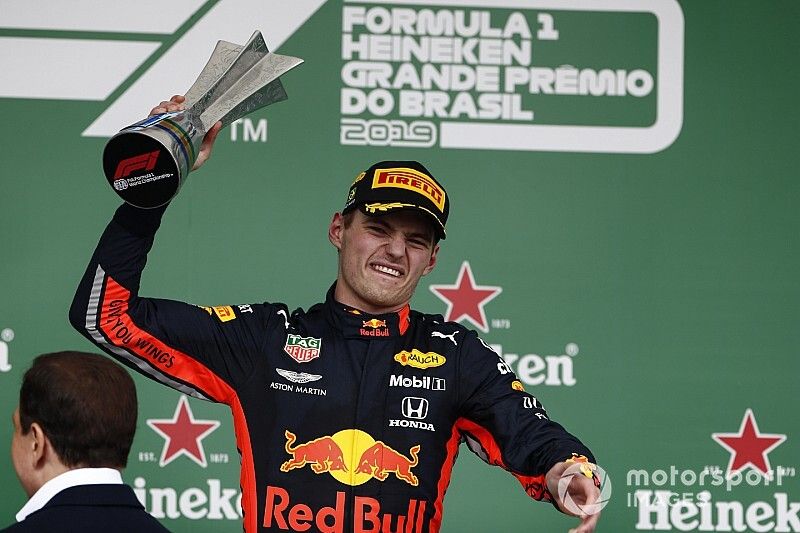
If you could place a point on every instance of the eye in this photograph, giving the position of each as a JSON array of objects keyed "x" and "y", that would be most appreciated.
[{"x": 376, "y": 229}]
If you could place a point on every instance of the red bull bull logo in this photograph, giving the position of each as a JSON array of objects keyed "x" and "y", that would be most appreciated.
[
  {"x": 374, "y": 328},
  {"x": 323, "y": 454},
  {"x": 379, "y": 460},
  {"x": 352, "y": 457}
]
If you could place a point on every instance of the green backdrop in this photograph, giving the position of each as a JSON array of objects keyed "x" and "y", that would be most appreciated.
[{"x": 624, "y": 171}]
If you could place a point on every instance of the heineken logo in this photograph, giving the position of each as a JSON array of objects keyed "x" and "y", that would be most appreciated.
[
  {"x": 302, "y": 349},
  {"x": 512, "y": 75}
]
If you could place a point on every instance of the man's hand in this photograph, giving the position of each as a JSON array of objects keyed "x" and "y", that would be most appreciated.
[
  {"x": 176, "y": 104},
  {"x": 581, "y": 494}
]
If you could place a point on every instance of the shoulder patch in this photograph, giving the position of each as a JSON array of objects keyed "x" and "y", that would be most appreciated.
[{"x": 224, "y": 313}]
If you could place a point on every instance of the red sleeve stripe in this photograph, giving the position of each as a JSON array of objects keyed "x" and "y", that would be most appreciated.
[
  {"x": 105, "y": 322},
  {"x": 444, "y": 478},
  {"x": 247, "y": 476},
  {"x": 116, "y": 324},
  {"x": 535, "y": 486},
  {"x": 144, "y": 365}
]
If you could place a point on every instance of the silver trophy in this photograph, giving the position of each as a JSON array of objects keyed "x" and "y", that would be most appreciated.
[{"x": 147, "y": 162}]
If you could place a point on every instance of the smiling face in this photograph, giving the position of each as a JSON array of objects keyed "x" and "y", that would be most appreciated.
[{"x": 381, "y": 258}]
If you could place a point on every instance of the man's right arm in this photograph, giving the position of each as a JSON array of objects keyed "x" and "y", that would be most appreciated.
[{"x": 200, "y": 351}]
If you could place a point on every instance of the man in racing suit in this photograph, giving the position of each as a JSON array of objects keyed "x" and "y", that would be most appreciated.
[{"x": 348, "y": 416}]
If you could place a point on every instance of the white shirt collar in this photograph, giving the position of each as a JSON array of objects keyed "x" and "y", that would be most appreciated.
[{"x": 70, "y": 478}]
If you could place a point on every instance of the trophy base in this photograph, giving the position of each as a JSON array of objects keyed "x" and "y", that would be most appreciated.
[{"x": 142, "y": 169}]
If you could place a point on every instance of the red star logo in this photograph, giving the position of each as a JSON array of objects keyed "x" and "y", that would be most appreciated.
[
  {"x": 465, "y": 299},
  {"x": 183, "y": 434},
  {"x": 749, "y": 446}
]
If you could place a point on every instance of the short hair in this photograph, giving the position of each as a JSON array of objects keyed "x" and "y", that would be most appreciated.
[{"x": 86, "y": 405}]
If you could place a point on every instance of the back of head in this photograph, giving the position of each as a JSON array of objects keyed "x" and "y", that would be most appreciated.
[{"x": 86, "y": 405}]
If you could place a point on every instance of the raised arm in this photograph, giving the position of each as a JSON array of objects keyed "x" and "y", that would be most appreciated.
[{"x": 200, "y": 351}]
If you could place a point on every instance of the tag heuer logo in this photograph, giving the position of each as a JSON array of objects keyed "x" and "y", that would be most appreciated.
[{"x": 302, "y": 349}]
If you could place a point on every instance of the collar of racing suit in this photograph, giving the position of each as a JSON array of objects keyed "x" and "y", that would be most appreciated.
[{"x": 357, "y": 324}]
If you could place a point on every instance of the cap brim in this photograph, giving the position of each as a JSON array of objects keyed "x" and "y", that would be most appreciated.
[{"x": 385, "y": 209}]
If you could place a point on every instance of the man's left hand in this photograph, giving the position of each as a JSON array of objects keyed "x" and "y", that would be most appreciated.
[{"x": 582, "y": 492}]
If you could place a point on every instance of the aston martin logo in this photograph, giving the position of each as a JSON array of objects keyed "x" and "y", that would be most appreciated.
[{"x": 297, "y": 377}]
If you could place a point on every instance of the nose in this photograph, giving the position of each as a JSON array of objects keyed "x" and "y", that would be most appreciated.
[{"x": 396, "y": 246}]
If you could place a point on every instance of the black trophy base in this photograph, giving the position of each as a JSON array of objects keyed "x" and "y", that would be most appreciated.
[{"x": 141, "y": 170}]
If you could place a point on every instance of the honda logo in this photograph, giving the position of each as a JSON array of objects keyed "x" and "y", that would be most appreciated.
[{"x": 415, "y": 407}]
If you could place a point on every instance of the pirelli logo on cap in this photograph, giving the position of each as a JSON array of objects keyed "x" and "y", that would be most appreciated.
[{"x": 412, "y": 180}]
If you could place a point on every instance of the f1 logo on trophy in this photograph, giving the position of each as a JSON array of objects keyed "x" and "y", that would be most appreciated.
[{"x": 147, "y": 162}]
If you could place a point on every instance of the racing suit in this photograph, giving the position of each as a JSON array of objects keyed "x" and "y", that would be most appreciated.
[{"x": 345, "y": 421}]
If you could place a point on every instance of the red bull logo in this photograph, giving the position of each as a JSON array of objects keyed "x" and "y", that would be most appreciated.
[
  {"x": 282, "y": 513},
  {"x": 352, "y": 457},
  {"x": 374, "y": 328}
]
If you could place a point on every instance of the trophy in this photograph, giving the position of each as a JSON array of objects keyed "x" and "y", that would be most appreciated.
[{"x": 147, "y": 162}]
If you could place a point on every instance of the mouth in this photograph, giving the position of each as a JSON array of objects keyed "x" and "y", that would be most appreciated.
[{"x": 385, "y": 269}]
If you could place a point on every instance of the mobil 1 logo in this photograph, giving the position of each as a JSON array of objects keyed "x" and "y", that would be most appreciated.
[{"x": 417, "y": 382}]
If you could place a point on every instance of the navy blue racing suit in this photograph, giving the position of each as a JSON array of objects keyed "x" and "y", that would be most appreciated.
[{"x": 345, "y": 421}]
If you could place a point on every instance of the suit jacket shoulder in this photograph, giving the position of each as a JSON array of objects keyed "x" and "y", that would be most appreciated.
[{"x": 89, "y": 509}]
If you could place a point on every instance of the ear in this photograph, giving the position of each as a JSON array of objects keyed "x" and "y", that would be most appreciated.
[
  {"x": 38, "y": 445},
  {"x": 432, "y": 262},
  {"x": 335, "y": 230}
]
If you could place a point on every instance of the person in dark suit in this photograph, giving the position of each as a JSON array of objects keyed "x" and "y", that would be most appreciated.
[{"x": 73, "y": 430}]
